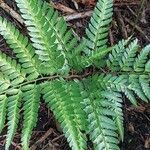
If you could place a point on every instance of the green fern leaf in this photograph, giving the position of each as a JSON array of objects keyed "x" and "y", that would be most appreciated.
[
  {"x": 147, "y": 66},
  {"x": 31, "y": 96},
  {"x": 129, "y": 85},
  {"x": 102, "y": 128},
  {"x": 14, "y": 102},
  {"x": 132, "y": 69},
  {"x": 142, "y": 59},
  {"x": 109, "y": 81},
  {"x": 22, "y": 48},
  {"x": 44, "y": 41},
  {"x": 128, "y": 58},
  {"x": 3, "y": 106},
  {"x": 65, "y": 100},
  {"x": 11, "y": 69},
  {"x": 116, "y": 55},
  {"x": 130, "y": 95},
  {"x": 4, "y": 83},
  {"x": 136, "y": 87},
  {"x": 115, "y": 104},
  {"x": 64, "y": 38},
  {"x": 144, "y": 82},
  {"x": 97, "y": 30}
]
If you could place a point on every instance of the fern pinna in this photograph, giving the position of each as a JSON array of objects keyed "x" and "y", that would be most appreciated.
[{"x": 84, "y": 104}]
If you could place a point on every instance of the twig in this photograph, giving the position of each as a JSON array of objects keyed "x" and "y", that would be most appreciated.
[
  {"x": 57, "y": 138},
  {"x": 9, "y": 10},
  {"x": 16, "y": 145},
  {"x": 133, "y": 13},
  {"x": 78, "y": 15},
  {"x": 58, "y": 6},
  {"x": 81, "y": 15},
  {"x": 62, "y": 7},
  {"x": 138, "y": 15},
  {"x": 111, "y": 38},
  {"x": 34, "y": 146},
  {"x": 137, "y": 28},
  {"x": 75, "y": 4},
  {"x": 119, "y": 4},
  {"x": 121, "y": 25}
]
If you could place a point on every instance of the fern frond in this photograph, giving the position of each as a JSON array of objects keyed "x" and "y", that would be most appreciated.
[
  {"x": 132, "y": 69},
  {"x": 144, "y": 82},
  {"x": 110, "y": 81},
  {"x": 128, "y": 58},
  {"x": 21, "y": 47},
  {"x": 14, "y": 102},
  {"x": 4, "y": 83},
  {"x": 147, "y": 66},
  {"x": 31, "y": 97},
  {"x": 65, "y": 100},
  {"x": 139, "y": 64},
  {"x": 3, "y": 106},
  {"x": 136, "y": 87},
  {"x": 11, "y": 69},
  {"x": 64, "y": 37},
  {"x": 107, "y": 103},
  {"x": 44, "y": 41},
  {"x": 116, "y": 55},
  {"x": 123, "y": 56},
  {"x": 130, "y": 95},
  {"x": 102, "y": 128},
  {"x": 114, "y": 102},
  {"x": 79, "y": 60},
  {"x": 97, "y": 30},
  {"x": 128, "y": 84}
]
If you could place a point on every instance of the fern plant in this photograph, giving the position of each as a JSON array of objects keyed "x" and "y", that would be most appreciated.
[{"x": 84, "y": 104}]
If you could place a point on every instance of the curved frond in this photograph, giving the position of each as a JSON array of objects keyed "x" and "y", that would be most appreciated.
[
  {"x": 147, "y": 66},
  {"x": 21, "y": 47},
  {"x": 102, "y": 128},
  {"x": 123, "y": 56},
  {"x": 128, "y": 58},
  {"x": 31, "y": 97},
  {"x": 14, "y": 102},
  {"x": 97, "y": 30},
  {"x": 130, "y": 67},
  {"x": 65, "y": 100},
  {"x": 4, "y": 83},
  {"x": 144, "y": 82},
  {"x": 136, "y": 87},
  {"x": 44, "y": 41},
  {"x": 130, "y": 95},
  {"x": 64, "y": 37},
  {"x": 11, "y": 69},
  {"x": 116, "y": 55},
  {"x": 139, "y": 64},
  {"x": 113, "y": 82},
  {"x": 3, "y": 109},
  {"x": 114, "y": 102},
  {"x": 128, "y": 84}
]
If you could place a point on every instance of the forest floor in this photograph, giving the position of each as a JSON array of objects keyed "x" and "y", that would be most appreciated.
[{"x": 131, "y": 17}]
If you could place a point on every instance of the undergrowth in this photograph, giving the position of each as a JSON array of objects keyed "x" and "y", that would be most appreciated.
[{"x": 52, "y": 65}]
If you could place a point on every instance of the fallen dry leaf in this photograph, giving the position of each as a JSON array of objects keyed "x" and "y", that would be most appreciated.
[
  {"x": 87, "y": 2},
  {"x": 147, "y": 143},
  {"x": 93, "y": 2},
  {"x": 131, "y": 128}
]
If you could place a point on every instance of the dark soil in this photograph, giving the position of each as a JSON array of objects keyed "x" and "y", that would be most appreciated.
[{"x": 128, "y": 20}]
